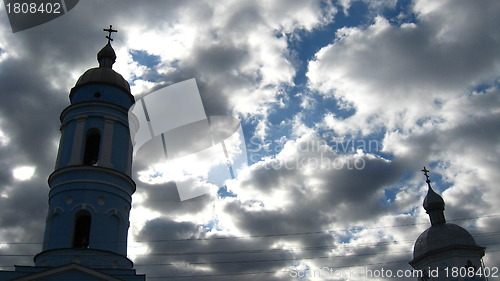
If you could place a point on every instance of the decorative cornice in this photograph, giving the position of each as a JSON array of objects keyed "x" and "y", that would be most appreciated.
[
  {"x": 99, "y": 169},
  {"x": 93, "y": 103}
]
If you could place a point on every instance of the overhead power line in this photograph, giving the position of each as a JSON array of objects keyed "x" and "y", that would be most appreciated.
[
  {"x": 272, "y": 235},
  {"x": 295, "y": 250}
]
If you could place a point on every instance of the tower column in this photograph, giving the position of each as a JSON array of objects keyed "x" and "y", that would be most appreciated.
[
  {"x": 107, "y": 143},
  {"x": 78, "y": 142}
]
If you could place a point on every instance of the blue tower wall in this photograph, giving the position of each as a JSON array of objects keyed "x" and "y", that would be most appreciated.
[{"x": 90, "y": 200}]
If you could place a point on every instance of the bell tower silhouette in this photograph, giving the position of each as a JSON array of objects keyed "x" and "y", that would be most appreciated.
[{"x": 91, "y": 187}]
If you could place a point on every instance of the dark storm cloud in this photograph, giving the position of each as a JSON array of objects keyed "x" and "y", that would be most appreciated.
[
  {"x": 338, "y": 196},
  {"x": 165, "y": 199},
  {"x": 214, "y": 66},
  {"x": 22, "y": 225},
  {"x": 184, "y": 250},
  {"x": 219, "y": 58},
  {"x": 33, "y": 107},
  {"x": 30, "y": 117}
]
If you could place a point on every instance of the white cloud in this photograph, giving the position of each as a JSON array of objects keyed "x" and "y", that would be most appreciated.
[
  {"x": 206, "y": 38},
  {"x": 394, "y": 75}
]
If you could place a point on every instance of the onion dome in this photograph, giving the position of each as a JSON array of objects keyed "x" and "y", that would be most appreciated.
[
  {"x": 106, "y": 56},
  {"x": 433, "y": 201}
]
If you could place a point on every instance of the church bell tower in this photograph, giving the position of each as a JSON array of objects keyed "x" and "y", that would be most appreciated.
[{"x": 91, "y": 186}]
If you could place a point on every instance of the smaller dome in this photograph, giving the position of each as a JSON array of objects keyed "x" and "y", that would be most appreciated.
[
  {"x": 433, "y": 201},
  {"x": 106, "y": 56},
  {"x": 441, "y": 236}
]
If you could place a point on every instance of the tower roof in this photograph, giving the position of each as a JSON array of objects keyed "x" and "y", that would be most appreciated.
[{"x": 104, "y": 74}]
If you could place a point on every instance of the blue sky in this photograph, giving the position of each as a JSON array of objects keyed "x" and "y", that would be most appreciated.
[{"x": 342, "y": 103}]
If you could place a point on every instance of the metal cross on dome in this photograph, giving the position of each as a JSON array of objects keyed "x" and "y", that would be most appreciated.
[
  {"x": 110, "y": 30},
  {"x": 426, "y": 173}
]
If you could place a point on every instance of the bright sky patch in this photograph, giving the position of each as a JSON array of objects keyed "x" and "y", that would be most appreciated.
[{"x": 23, "y": 173}]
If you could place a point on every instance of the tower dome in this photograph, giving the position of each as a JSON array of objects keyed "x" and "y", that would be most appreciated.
[
  {"x": 442, "y": 237},
  {"x": 104, "y": 74}
]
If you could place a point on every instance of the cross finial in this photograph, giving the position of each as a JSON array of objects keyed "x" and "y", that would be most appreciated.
[
  {"x": 109, "y": 30},
  {"x": 426, "y": 173}
]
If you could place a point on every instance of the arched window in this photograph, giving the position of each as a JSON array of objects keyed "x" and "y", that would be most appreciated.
[
  {"x": 81, "y": 231},
  {"x": 92, "y": 145}
]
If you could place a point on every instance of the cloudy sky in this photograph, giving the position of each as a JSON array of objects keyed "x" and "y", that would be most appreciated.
[{"x": 342, "y": 103}]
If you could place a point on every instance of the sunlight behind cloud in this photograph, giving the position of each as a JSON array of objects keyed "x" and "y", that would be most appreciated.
[
  {"x": 4, "y": 140},
  {"x": 23, "y": 173}
]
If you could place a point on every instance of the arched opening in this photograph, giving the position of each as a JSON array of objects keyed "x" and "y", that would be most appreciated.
[
  {"x": 81, "y": 231},
  {"x": 92, "y": 145}
]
